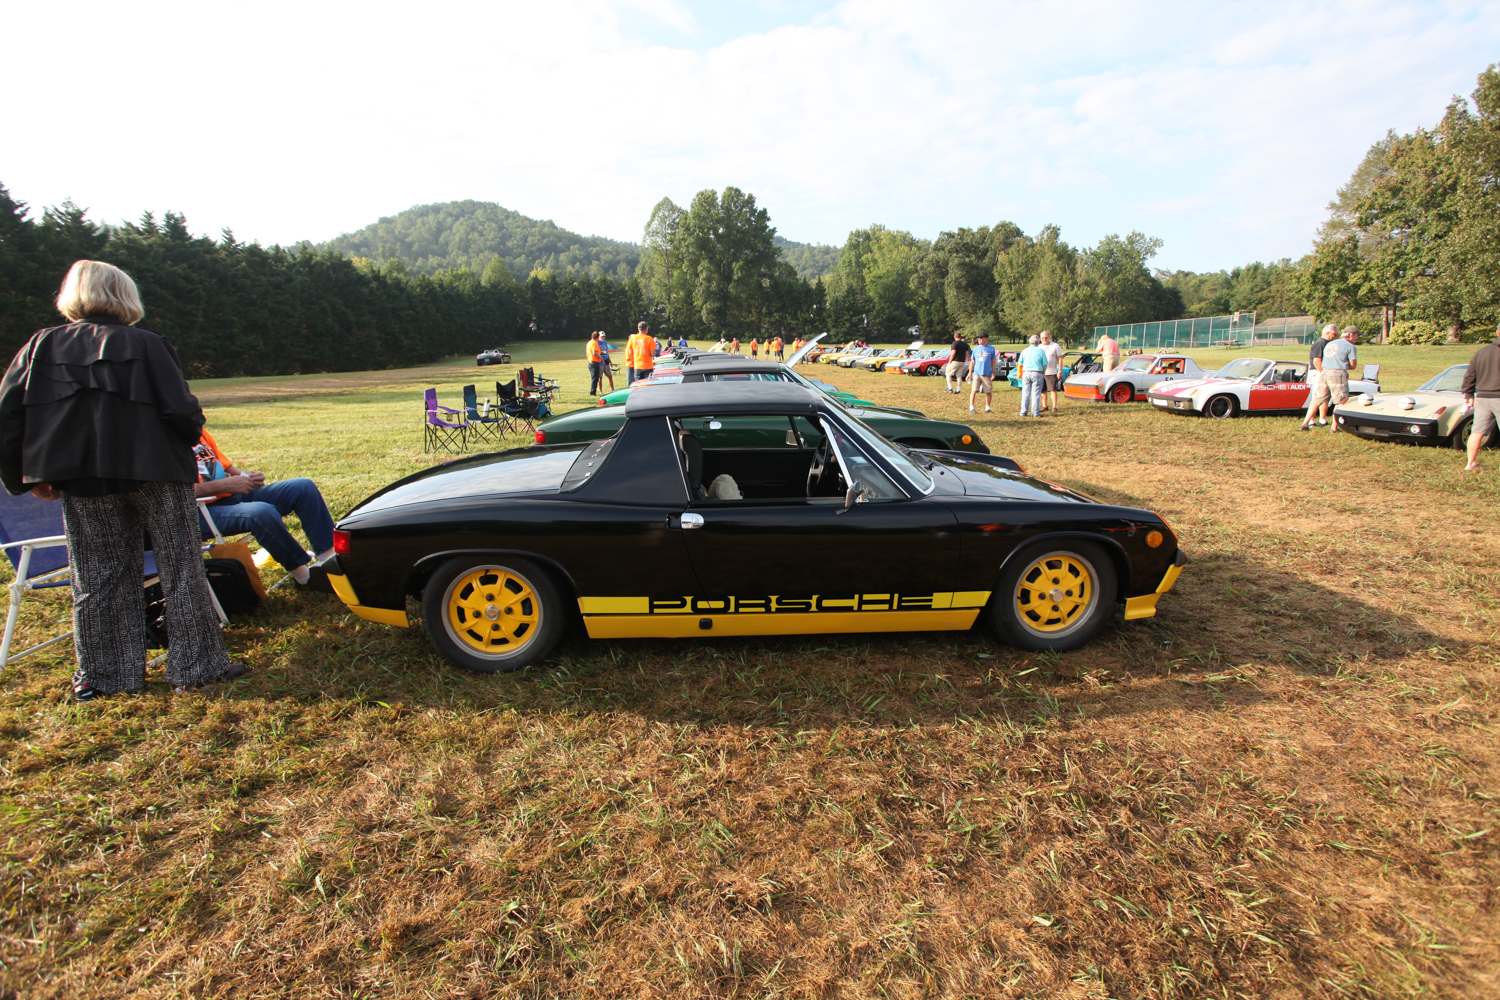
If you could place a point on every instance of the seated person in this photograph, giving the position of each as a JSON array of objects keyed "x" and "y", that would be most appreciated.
[{"x": 244, "y": 502}]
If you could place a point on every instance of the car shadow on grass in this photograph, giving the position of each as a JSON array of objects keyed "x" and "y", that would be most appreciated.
[{"x": 1228, "y": 621}]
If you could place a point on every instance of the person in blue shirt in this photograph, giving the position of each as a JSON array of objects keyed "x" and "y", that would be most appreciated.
[
  {"x": 982, "y": 377},
  {"x": 682, "y": 340},
  {"x": 1033, "y": 365}
]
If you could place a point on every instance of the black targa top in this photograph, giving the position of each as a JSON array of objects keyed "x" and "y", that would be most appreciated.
[{"x": 718, "y": 398}]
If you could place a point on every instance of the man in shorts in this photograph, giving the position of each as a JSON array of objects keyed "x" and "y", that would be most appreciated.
[
  {"x": 983, "y": 377},
  {"x": 958, "y": 360},
  {"x": 1481, "y": 389},
  {"x": 1315, "y": 373},
  {"x": 1052, "y": 374},
  {"x": 1333, "y": 379},
  {"x": 1032, "y": 363}
]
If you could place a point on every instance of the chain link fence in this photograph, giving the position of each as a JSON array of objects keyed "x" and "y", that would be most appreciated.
[{"x": 1235, "y": 330}]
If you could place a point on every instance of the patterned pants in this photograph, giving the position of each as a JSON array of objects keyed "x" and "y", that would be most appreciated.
[{"x": 107, "y": 556}]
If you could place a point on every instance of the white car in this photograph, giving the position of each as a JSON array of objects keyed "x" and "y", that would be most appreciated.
[
  {"x": 1131, "y": 380},
  {"x": 1245, "y": 386}
]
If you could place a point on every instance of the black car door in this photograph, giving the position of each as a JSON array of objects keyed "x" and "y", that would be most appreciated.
[{"x": 810, "y": 555}]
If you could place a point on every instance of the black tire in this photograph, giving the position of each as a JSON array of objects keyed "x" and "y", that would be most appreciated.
[
  {"x": 1083, "y": 589},
  {"x": 1460, "y": 437},
  {"x": 934, "y": 370},
  {"x": 1221, "y": 407},
  {"x": 1121, "y": 392},
  {"x": 520, "y": 587}
]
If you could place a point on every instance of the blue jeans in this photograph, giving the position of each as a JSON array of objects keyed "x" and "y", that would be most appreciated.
[
  {"x": 1031, "y": 393},
  {"x": 260, "y": 512}
]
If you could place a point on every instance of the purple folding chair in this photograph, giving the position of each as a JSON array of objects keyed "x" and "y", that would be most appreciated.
[{"x": 441, "y": 433}]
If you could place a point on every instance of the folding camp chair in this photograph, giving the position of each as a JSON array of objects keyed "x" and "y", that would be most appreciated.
[
  {"x": 31, "y": 533},
  {"x": 533, "y": 386},
  {"x": 440, "y": 433},
  {"x": 520, "y": 410},
  {"x": 481, "y": 426},
  {"x": 216, "y": 537}
]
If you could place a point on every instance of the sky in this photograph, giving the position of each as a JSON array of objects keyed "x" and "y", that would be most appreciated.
[{"x": 1222, "y": 128}]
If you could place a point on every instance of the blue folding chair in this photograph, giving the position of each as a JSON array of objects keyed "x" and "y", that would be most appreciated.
[{"x": 31, "y": 533}]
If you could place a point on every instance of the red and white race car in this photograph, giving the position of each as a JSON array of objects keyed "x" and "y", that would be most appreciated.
[{"x": 1245, "y": 386}]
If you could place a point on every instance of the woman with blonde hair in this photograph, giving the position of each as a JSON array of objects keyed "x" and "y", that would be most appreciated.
[{"x": 97, "y": 413}]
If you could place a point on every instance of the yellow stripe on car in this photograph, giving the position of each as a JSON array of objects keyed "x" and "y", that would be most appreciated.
[{"x": 1145, "y": 605}]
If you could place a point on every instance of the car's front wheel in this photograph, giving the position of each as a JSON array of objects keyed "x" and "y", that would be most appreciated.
[
  {"x": 492, "y": 614},
  {"x": 1122, "y": 392},
  {"x": 1222, "y": 407},
  {"x": 1055, "y": 595}
]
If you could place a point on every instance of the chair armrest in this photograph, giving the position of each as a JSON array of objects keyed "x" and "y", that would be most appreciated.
[{"x": 38, "y": 543}]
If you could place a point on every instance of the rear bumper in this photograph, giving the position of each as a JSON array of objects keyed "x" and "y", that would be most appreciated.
[
  {"x": 1144, "y": 606},
  {"x": 345, "y": 590}
]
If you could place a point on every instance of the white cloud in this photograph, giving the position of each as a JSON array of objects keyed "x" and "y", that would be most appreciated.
[{"x": 1222, "y": 128}]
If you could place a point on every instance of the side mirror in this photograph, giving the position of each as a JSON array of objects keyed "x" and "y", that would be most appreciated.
[
  {"x": 791, "y": 440},
  {"x": 853, "y": 495}
]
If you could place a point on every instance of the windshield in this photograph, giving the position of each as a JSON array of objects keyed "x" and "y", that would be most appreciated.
[
  {"x": 1247, "y": 368},
  {"x": 873, "y": 441},
  {"x": 1448, "y": 381},
  {"x": 1137, "y": 364},
  {"x": 748, "y": 377}
]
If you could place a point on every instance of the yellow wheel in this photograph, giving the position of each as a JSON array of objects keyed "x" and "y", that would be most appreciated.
[
  {"x": 1054, "y": 592},
  {"x": 490, "y": 615},
  {"x": 492, "y": 610},
  {"x": 1054, "y": 595}
]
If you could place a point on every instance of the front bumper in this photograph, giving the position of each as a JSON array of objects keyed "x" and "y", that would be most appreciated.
[
  {"x": 1145, "y": 605},
  {"x": 1177, "y": 404},
  {"x": 1083, "y": 392},
  {"x": 1385, "y": 425}
]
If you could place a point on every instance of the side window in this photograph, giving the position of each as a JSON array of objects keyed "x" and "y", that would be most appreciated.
[
  {"x": 809, "y": 435},
  {"x": 740, "y": 432},
  {"x": 860, "y": 472}
]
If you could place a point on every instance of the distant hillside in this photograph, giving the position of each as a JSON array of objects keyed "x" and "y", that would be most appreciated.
[
  {"x": 811, "y": 260},
  {"x": 429, "y": 238}
]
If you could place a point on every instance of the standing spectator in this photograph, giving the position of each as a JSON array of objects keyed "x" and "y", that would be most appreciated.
[
  {"x": 1315, "y": 374},
  {"x": 1033, "y": 364},
  {"x": 644, "y": 362},
  {"x": 608, "y": 368},
  {"x": 1481, "y": 389},
  {"x": 983, "y": 373},
  {"x": 682, "y": 341},
  {"x": 776, "y": 349},
  {"x": 1333, "y": 378},
  {"x": 96, "y": 412},
  {"x": 754, "y": 348},
  {"x": 1109, "y": 352},
  {"x": 734, "y": 346},
  {"x": 1317, "y": 402},
  {"x": 958, "y": 360},
  {"x": 595, "y": 355},
  {"x": 1052, "y": 374}
]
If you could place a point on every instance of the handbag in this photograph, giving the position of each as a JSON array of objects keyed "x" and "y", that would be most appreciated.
[{"x": 241, "y": 552}]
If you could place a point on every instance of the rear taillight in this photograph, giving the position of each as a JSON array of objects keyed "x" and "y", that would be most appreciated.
[
  {"x": 601, "y": 402},
  {"x": 340, "y": 542},
  {"x": 541, "y": 437}
]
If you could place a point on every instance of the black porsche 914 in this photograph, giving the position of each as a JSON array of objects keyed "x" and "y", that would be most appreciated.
[{"x": 732, "y": 510}]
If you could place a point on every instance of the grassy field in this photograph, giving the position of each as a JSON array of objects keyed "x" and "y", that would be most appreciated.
[{"x": 1284, "y": 785}]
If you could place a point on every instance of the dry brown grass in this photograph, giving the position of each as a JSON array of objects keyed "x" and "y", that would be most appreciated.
[{"x": 1283, "y": 786}]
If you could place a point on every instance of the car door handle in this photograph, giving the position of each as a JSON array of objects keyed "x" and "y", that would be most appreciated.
[{"x": 692, "y": 521}]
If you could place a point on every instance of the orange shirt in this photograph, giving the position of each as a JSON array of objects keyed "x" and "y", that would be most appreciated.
[
  {"x": 207, "y": 454},
  {"x": 754, "y": 344},
  {"x": 776, "y": 343},
  {"x": 645, "y": 352},
  {"x": 595, "y": 352}
]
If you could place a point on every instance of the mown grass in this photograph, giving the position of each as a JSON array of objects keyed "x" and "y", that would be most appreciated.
[{"x": 1284, "y": 785}]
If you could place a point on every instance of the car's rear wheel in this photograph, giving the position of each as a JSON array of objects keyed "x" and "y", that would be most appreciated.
[
  {"x": 934, "y": 370},
  {"x": 492, "y": 613},
  {"x": 1121, "y": 392},
  {"x": 1054, "y": 595},
  {"x": 1222, "y": 407}
]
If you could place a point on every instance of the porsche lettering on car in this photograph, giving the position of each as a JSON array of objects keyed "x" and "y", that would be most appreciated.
[
  {"x": 1434, "y": 413},
  {"x": 819, "y": 525},
  {"x": 1245, "y": 386},
  {"x": 1131, "y": 380}
]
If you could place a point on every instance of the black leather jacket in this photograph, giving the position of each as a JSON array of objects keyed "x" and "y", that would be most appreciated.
[{"x": 96, "y": 399}]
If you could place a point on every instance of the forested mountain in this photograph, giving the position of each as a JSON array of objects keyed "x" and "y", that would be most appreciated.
[
  {"x": 809, "y": 260},
  {"x": 469, "y": 234}
]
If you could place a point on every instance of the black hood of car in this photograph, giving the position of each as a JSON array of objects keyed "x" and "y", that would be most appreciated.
[
  {"x": 979, "y": 478},
  {"x": 519, "y": 470}
]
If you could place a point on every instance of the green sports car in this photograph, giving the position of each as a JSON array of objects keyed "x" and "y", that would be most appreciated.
[{"x": 908, "y": 427}]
